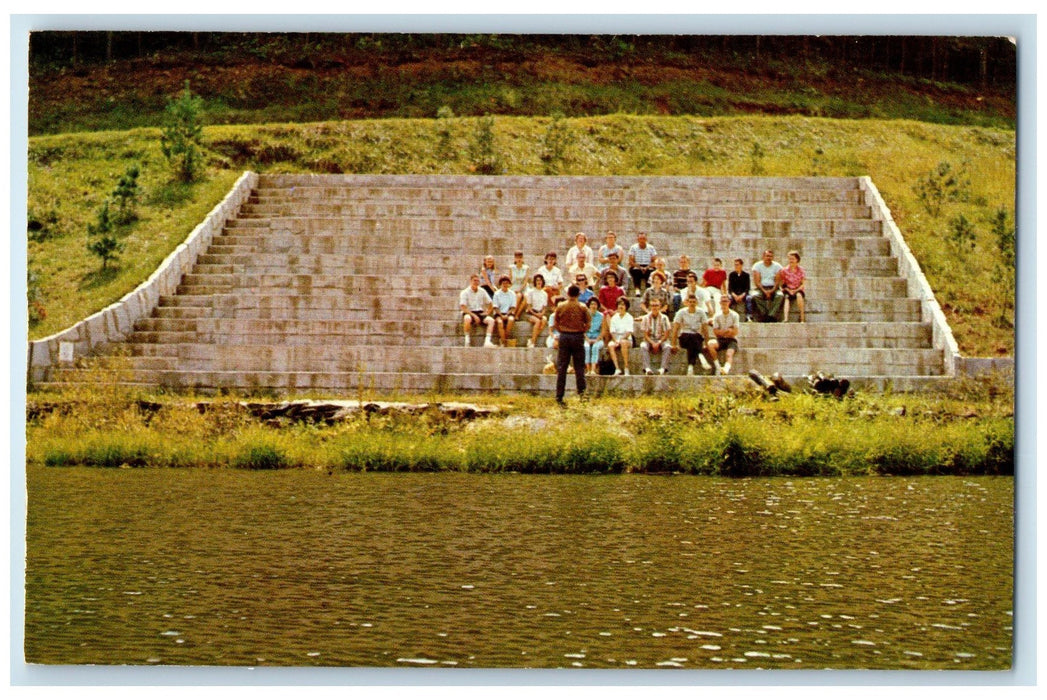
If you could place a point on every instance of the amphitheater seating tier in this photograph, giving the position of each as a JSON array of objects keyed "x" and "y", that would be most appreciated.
[{"x": 340, "y": 284}]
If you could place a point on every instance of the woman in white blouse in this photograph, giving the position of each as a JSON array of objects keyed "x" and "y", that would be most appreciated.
[{"x": 621, "y": 328}]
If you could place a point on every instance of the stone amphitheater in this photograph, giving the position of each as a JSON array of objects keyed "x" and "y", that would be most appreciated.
[{"x": 341, "y": 284}]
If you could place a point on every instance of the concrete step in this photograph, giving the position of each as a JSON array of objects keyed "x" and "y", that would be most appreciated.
[
  {"x": 639, "y": 186},
  {"x": 506, "y": 360},
  {"x": 563, "y": 229},
  {"x": 442, "y": 291},
  {"x": 448, "y": 332},
  {"x": 318, "y": 264},
  {"x": 396, "y": 308},
  {"x": 335, "y": 300},
  {"x": 180, "y": 312},
  {"x": 581, "y": 210},
  {"x": 748, "y": 248},
  {"x": 445, "y": 285},
  {"x": 558, "y": 195},
  {"x": 263, "y": 360}
]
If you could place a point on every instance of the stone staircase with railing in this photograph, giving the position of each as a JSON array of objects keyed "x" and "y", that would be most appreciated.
[{"x": 341, "y": 284}]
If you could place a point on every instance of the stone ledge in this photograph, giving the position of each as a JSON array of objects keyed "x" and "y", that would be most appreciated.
[{"x": 984, "y": 366}]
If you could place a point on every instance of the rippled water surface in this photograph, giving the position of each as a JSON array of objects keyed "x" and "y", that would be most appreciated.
[{"x": 303, "y": 568}]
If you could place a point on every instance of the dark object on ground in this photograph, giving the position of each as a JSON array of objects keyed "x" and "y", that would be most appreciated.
[
  {"x": 606, "y": 367},
  {"x": 772, "y": 386},
  {"x": 779, "y": 381},
  {"x": 827, "y": 384}
]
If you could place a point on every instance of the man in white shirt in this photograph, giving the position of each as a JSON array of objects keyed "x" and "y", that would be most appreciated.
[
  {"x": 475, "y": 304},
  {"x": 726, "y": 325},
  {"x": 767, "y": 281},
  {"x": 656, "y": 328},
  {"x": 583, "y": 267},
  {"x": 641, "y": 261}
]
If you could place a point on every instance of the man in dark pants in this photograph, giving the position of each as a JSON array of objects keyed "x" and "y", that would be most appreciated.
[{"x": 571, "y": 319}]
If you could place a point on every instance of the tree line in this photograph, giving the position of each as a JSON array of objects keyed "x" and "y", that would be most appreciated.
[{"x": 976, "y": 61}]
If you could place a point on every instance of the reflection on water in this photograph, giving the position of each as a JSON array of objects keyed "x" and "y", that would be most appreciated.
[{"x": 429, "y": 570}]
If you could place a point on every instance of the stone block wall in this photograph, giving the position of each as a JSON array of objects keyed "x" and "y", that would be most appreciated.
[{"x": 113, "y": 323}]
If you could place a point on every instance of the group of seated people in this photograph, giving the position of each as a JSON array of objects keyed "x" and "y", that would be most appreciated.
[{"x": 705, "y": 309}]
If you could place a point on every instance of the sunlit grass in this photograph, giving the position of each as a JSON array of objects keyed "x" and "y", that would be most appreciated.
[{"x": 967, "y": 430}]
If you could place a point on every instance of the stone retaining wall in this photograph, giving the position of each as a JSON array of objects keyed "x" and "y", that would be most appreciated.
[
  {"x": 980, "y": 366},
  {"x": 113, "y": 323},
  {"x": 919, "y": 287}
]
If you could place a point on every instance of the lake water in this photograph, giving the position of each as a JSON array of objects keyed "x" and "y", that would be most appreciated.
[{"x": 303, "y": 568}]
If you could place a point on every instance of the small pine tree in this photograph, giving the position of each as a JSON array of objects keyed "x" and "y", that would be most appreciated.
[
  {"x": 756, "y": 159},
  {"x": 181, "y": 136},
  {"x": 1004, "y": 234},
  {"x": 101, "y": 238},
  {"x": 941, "y": 185},
  {"x": 1005, "y": 241},
  {"x": 486, "y": 160},
  {"x": 34, "y": 297},
  {"x": 961, "y": 233},
  {"x": 126, "y": 196},
  {"x": 555, "y": 144},
  {"x": 444, "y": 143}
]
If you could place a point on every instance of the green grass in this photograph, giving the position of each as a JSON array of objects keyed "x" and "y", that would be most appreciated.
[
  {"x": 70, "y": 175},
  {"x": 969, "y": 430}
]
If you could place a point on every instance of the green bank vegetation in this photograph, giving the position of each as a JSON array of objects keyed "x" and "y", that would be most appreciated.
[
  {"x": 966, "y": 429},
  {"x": 950, "y": 188}
]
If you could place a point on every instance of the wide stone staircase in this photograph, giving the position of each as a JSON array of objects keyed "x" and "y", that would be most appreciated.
[{"x": 338, "y": 285}]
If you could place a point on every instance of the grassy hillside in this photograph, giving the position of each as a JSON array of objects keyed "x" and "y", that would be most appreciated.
[{"x": 904, "y": 158}]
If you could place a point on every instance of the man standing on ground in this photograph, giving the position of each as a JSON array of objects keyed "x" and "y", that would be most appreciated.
[
  {"x": 571, "y": 319},
  {"x": 768, "y": 298}
]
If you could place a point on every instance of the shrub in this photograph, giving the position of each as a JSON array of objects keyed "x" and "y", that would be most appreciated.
[
  {"x": 555, "y": 143},
  {"x": 181, "y": 135},
  {"x": 738, "y": 459},
  {"x": 756, "y": 159},
  {"x": 961, "y": 233},
  {"x": 34, "y": 294},
  {"x": 41, "y": 227},
  {"x": 101, "y": 237},
  {"x": 126, "y": 196},
  {"x": 482, "y": 151},
  {"x": 941, "y": 185},
  {"x": 262, "y": 456},
  {"x": 444, "y": 143},
  {"x": 1003, "y": 233}
]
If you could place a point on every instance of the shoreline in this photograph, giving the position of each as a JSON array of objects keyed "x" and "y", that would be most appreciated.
[{"x": 707, "y": 433}]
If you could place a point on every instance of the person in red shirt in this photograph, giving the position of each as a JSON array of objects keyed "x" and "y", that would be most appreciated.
[
  {"x": 610, "y": 292},
  {"x": 715, "y": 280}
]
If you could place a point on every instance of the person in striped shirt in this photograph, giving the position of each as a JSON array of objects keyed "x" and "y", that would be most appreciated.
[{"x": 641, "y": 261}]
